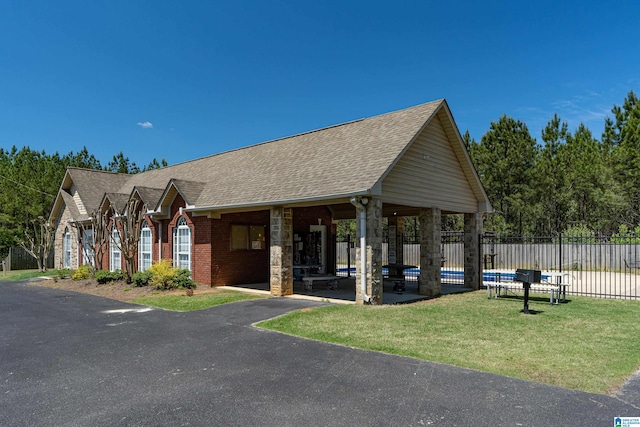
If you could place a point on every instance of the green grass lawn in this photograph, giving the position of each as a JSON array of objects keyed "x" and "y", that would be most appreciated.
[
  {"x": 196, "y": 302},
  {"x": 586, "y": 344},
  {"x": 25, "y": 274}
]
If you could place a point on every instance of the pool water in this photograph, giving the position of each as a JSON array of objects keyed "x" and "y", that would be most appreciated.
[{"x": 451, "y": 275}]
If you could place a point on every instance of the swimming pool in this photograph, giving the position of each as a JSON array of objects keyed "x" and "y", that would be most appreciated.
[{"x": 446, "y": 274}]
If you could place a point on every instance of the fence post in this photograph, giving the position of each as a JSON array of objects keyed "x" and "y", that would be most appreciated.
[
  {"x": 348, "y": 255},
  {"x": 560, "y": 251}
]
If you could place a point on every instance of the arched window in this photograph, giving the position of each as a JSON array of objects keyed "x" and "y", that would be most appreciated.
[
  {"x": 115, "y": 258},
  {"x": 182, "y": 245},
  {"x": 144, "y": 247},
  {"x": 66, "y": 248},
  {"x": 87, "y": 247}
]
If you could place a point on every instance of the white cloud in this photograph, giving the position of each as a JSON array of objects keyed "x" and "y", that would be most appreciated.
[{"x": 145, "y": 125}]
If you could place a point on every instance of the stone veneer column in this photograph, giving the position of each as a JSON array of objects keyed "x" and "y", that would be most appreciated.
[
  {"x": 429, "y": 282},
  {"x": 281, "y": 250},
  {"x": 472, "y": 255},
  {"x": 373, "y": 211}
]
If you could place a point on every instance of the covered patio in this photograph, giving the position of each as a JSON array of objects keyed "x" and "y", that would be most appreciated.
[
  {"x": 346, "y": 291},
  {"x": 411, "y": 162}
]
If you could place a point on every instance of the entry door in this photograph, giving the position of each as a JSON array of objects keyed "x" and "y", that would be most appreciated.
[{"x": 323, "y": 245}]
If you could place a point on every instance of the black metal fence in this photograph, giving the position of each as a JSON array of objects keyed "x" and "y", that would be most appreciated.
[
  {"x": 601, "y": 266},
  {"x": 606, "y": 266}
]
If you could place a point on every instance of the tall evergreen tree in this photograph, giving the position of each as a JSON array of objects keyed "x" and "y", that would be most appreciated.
[
  {"x": 622, "y": 136},
  {"x": 122, "y": 164},
  {"x": 550, "y": 180},
  {"x": 155, "y": 164},
  {"x": 505, "y": 160},
  {"x": 591, "y": 186}
]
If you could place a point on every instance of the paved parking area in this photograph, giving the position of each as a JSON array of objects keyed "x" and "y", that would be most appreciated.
[{"x": 78, "y": 360}]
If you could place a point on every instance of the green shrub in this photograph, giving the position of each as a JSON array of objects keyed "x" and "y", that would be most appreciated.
[
  {"x": 163, "y": 275},
  {"x": 104, "y": 276},
  {"x": 142, "y": 278},
  {"x": 183, "y": 279},
  {"x": 64, "y": 272},
  {"x": 82, "y": 273}
]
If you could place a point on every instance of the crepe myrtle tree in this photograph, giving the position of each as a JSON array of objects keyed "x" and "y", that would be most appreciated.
[
  {"x": 38, "y": 241},
  {"x": 129, "y": 224},
  {"x": 98, "y": 225}
]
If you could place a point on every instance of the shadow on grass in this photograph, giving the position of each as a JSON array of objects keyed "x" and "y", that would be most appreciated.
[{"x": 532, "y": 312}]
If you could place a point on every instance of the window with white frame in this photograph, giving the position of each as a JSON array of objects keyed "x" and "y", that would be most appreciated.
[
  {"x": 115, "y": 257},
  {"x": 144, "y": 247},
  {"x": 87, "y": 247},
  {"x": 66, "y": 248},
  {"x": 182, "y": 245}
]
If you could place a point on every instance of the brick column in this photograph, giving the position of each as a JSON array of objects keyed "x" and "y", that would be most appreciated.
[
  {"x": 430, "y": 253},
  {"x": 281, "y": 251},
  {"x": 373, "y": 210},
  {"x": 472, "y": 255}
]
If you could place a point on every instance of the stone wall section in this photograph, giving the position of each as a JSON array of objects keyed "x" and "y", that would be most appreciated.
[
  {"x": 472, "y": 251},
  {"x": 64, "y": 222},
  {"x": 281, "y": 251},
  {"x": 429, "y": 282}
]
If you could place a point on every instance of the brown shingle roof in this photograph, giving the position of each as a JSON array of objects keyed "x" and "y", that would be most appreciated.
[
  {"x": 92, "y": 185},
  {"x": 340, "y": 160},
  {"x": 73, "y": 208},
  {"x": 149, "y": 196},
  {"x": 334, "y": 162},
  {"x": 117, "y": 200}
]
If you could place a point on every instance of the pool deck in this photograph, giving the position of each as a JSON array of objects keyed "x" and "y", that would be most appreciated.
[
  {"x": 346, "y": 293},
  {"x": 587, "y": 283}
]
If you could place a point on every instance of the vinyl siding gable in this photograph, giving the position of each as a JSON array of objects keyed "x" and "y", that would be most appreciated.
[
  {"x": 76, "y": 197},
  {"x": 429, "y": 175}
]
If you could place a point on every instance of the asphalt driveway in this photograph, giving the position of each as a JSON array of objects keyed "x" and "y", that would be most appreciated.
[{"x": 78, "y": 360}]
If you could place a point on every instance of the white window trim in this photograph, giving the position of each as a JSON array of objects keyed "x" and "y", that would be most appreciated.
[
  {"x": 145, "y": 236},
  {"x": 182, "y": 231},
  {"x": 66, "y": 248},
  {"x": 114, "y": 250},
  {"x": 87, "y": 247}
]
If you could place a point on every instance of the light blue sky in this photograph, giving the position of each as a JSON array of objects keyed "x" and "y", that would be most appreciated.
[{"x": 185, "y": 79}]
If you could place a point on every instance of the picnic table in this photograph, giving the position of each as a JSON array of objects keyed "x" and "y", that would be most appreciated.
[
  {"x": 552, "y": 282},
  {"x": 332, "y": 281},
  {"x": 304, "y": 270}
]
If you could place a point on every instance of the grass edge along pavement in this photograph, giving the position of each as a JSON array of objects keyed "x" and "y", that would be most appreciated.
[
  {"x": 16, "y": 275},
  {"x": 175, "y": 300},
  {"x": 182, "y": 302},
  {"x": 586, "y": 344}
]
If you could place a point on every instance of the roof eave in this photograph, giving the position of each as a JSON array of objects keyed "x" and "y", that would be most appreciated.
[{"x": 286, "y": 202}]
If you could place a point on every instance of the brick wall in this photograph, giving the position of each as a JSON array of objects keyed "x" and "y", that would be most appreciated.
[
  {"x": 212, "y": 260},
  {"x": 233, "y": 267}
]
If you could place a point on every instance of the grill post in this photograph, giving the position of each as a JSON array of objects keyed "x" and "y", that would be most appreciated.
[{"x": 527, "y": 277}]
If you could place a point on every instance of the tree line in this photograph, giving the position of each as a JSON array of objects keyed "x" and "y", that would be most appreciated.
[
  {"x": 571, "y": 183},
  {"x": 29, "y": 183}
]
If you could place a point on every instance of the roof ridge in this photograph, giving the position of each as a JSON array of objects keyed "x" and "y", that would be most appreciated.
[
  {"x": 97, "y": 170},
  {"x": 436, "y": 101},
  {"x": 256, "y": 145},
  {"x": 292, "y": 136}
]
